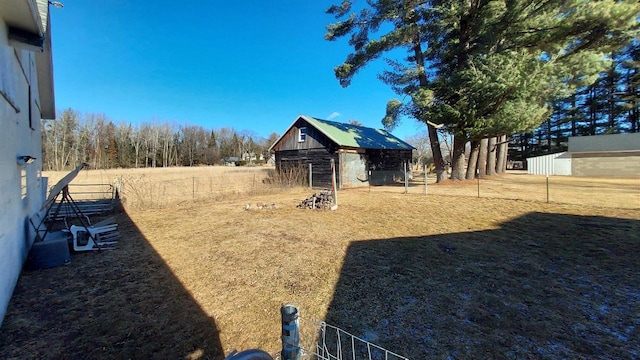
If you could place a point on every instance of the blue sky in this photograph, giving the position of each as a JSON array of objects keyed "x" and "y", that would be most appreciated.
[{"x": 251, "y": 65}]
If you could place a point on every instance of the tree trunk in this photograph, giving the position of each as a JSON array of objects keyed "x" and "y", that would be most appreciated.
[
  {"x": 137, "y": 150},
  {"x": 438, "y": 161},
  {"x": 491, "y": 157},
  {"x": 458, "y": 160},
  {"x": 482, "y": 157},
  {"x": 501, "y": 156},
  {"x": 633, "y": 93},
  {"x": 473, "y": 159},
  {"x": 505, "y": 154},
  {"x": 433, "y": 133},
  {"x": 574, "y": 114}
]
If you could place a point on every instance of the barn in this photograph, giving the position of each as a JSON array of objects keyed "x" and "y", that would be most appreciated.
[{"x": 363, "y": 156}]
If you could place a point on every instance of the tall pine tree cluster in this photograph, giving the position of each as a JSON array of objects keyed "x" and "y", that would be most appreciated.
[{"x": 483, "y": 69}]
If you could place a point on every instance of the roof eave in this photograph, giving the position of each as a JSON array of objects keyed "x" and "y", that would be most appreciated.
[
  {"x": 44, "y": 66},
  {"x": 309, "y": 120},
  {"x": 26, "y": 28}
]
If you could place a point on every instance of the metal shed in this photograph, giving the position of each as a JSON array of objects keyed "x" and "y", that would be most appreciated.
[{"x": 552, "y": 164}]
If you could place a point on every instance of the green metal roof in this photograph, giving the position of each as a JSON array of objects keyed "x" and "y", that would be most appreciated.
[{"x": 357, "y": 136}]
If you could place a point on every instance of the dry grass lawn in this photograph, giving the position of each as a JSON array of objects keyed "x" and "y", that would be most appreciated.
[{"x": 427, "y": 277}]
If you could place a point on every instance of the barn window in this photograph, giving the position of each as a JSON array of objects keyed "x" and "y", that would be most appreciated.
[{"x": 302, "y": 134}]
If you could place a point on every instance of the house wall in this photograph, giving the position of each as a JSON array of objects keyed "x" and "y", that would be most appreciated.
[
  {"x": 624, "y": 164},
  {"x": 21, "y": 193}
]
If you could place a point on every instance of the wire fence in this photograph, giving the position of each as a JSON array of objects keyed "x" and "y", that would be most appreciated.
[
  {"x": 308, "y": 338},
  {"x": 142, "y": 192},
  {"x": 518, "y": 185},
  {"x": 167, "y": 187},
  {"x": 328, "y": 342}
]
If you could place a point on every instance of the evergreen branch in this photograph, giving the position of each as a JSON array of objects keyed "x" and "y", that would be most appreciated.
[{"x": 339, "y": 10}]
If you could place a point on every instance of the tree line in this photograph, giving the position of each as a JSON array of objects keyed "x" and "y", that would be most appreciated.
[
  {"x": 75, "y": 138},
  {"x": 484, "y": 70}
]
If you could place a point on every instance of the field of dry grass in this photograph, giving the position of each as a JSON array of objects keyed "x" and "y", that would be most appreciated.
[
  {"x": 146, "y": 188},
  {"x": 425, "y": 276}
]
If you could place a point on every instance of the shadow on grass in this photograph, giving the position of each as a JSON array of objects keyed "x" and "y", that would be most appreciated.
[
  {"x": 541, "y": 286},
  {"x": 118, "y": 304}
]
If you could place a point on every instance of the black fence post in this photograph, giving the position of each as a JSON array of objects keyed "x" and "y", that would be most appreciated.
[{"x": 290, "y": 333}]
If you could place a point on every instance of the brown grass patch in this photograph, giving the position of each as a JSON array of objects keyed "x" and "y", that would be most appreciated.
[
  {"x": 435, "y": 276},
  {"x": 147, "y": 188},
  {"x": 518, "y": 185}
]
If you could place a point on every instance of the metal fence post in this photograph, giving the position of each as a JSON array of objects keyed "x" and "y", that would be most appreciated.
[
  {"x": 310, "y": 176},
  {"x": 424, "y": 169},
  {"x": 547, "y": 188},
  {"x": 478, "y": 176},
  {"x": 406, "y": 179},
  {"x": 290, "y": 333}
]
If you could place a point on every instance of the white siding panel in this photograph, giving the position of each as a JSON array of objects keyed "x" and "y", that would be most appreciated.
[
  {"x": 562, "y": 166},
  {"x": 20, "y": 187},
  {"x": 552, "y": 164}
]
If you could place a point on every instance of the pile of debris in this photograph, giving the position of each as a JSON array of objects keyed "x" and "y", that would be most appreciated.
[{"x": 323, "y": 200}]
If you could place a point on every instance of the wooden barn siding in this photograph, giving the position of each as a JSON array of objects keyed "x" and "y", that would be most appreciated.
[
  {"x": 320, "y": 160},
  {"x": 315, "y": 139}
]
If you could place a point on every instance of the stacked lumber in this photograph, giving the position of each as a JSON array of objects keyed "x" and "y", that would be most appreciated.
[{"x": 323, "y": 200}]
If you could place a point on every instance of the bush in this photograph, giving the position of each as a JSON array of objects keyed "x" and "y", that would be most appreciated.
[{"x": 288, "y": 176}]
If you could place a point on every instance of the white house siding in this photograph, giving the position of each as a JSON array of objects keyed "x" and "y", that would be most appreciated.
[
  {"x": 562, "y": 164},
  {"x": 17, "y": 75}
]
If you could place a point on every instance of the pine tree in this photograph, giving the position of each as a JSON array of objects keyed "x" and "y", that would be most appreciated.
[
  {"x": 407, "y": 21},
  {"x": 483, "y": 68}
]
